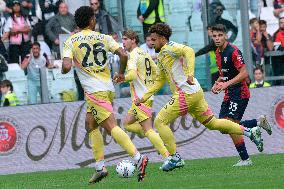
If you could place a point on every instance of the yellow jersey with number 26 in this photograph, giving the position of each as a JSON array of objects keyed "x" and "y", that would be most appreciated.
[{"x": 88, "y": 50}]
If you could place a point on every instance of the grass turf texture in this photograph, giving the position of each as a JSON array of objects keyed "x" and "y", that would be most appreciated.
[{"x": 267, "y": 172}]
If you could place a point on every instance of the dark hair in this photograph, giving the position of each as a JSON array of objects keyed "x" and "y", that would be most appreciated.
[
  {"x": 113, "y": 33},
  {"x": 131, "y": 35},
  {"x": 147, "y": 35},
  {"x": 258, "y": 68},
  {"x": 7, "y": 83},
  {"x": 83, "y": 16},
  {"x": 253, "y": 20},
  {"x": 262, "y": 22},
  {"x": 36, "y": 44},
  {"x": 162, "y": 30},
  {"x": 219, "y": 28}
]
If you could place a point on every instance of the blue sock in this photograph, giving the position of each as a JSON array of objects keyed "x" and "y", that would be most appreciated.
[
  {"x": 249, "y": 123},
  {"x": 242, "y": 151}
]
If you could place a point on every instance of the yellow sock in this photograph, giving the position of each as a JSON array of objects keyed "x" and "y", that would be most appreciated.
[
  {"x": 123, "y": 140},
  {"x": 97, "y": 144},
  {"x": 156, "y": 140},
  {"x": 225, "y": 126},
  {"x": 166, "y": 135},
  {"x": 135, "y": 128}
]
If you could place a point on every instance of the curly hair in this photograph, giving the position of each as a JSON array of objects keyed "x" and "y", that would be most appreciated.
[
  {"x": 83, "y": 15},
  {"x": 131, "y": 35},
  {"x": 162, "y": 30}
]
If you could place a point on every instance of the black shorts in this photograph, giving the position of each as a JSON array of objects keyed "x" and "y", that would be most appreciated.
[{"x": 233, "y": 109}]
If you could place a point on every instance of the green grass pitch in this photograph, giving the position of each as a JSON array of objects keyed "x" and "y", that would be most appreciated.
[{"x": 267, "y": 172}]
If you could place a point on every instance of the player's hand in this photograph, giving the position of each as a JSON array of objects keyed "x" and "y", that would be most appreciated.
[
  {"x": 118, "y": 78},
  {"x": 190, "y": 80},
  {"x": 223, "y": 85},
  {"x": 138, "y": 101},
  {"x": 216, "y": 88}
]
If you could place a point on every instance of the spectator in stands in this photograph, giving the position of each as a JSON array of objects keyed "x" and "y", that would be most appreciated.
[
  {"x": 48, "y": 8},
  {"x": 33, "y": 63},
  {"x": 149, "y": 47},
  {"x": 3, "y": 51},
  {"x": 62, "y": 23},
  {"x": 26, "y": 6},
  {"x": 210, "y": 48},
  {"x": 9, "y": 97},
  {"x": 216, "y": 18},
  {"x": 278, "y": 8},
  {"x": 150, "y": 12},
  {"x": 266, "y": 39},
  {"x": 267, "y": 45},
  {"x": 103, "y": 24},
  {"x": 277, "y": 61},
  {"x": 255, "y": 35},
  {"x": 3, "y": 68},
  {"x": 17, "y": 29},
  {"x": 279, "y": 35},
  {"x": 258, "y": 79}
]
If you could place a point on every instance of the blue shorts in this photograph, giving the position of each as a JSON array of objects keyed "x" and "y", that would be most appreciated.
[{"x": 233, "y": 109}]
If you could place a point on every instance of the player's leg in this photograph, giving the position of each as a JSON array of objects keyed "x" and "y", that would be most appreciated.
[
  {"x": 103, "y": 114},
  {"x": 142, "y": 115},
  {"x": 173, "y": 109},
  {"x": 261, "y": 122},
  {"x": 131, "y": 124},
  {"x": 234, "y": 110},
  {"x": 154, "y": 138},
  {"x": 198, "y": 107},
  {"x": 97, "y": 145},
  {"x": 124, "y": 141}
]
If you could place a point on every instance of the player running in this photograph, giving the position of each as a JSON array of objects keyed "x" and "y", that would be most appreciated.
[
  {"x": 187, "y": 96},
  {"x": 232, "y": 79},
  {"x": 141, "y": 73},
  {"x": 88, "y": 50}
]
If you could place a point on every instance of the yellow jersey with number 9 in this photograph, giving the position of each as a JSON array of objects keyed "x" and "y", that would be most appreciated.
[
  {"x": 146, "y": 71},
  {"x": 88, "y": 50}
]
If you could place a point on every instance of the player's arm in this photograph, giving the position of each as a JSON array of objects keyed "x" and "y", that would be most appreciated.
[
  {"x": 123, "y": 59},
  {"x": 188, "y": 54},
  {"x": 67, "y": 57},
  {"x": 132, "y": 67},
  {"x": 158, "y": 84}
]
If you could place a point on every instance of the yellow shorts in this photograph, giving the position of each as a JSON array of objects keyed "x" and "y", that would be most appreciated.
[
  {"x": 142, "y": 112},
  {"x": 182, "y": 103},
  {"x": 100, "y": 105}
]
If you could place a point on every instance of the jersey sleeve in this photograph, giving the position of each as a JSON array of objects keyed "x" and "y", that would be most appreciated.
[
  {"x": 112, "y": 44},
  {"x": 67, "y": 49},
  {"x": 158, "y": 84},
  {"x": 188, "y": 54},
  {"x": 131, "y": 67},
  {"x": 237, "y": 59}
]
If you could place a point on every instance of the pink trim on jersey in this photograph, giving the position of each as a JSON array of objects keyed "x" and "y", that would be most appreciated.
[
  {"x": 145, "y": 109},
  {"x": 99, "y": 102},
  {"x": 183, "y": 109},
  {"x": 142, "y": 107}
]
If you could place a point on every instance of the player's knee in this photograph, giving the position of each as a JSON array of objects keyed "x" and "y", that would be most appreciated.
[
  {"x": 158, "y": 122},
  {"x": 211, "y": 124},
  {"x": 89, "y": 123}
]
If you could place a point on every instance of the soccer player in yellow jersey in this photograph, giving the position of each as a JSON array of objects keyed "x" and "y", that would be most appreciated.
[
  {"x": 176, "y": 64},
  {"x": 141, "y": 72},
  {"x": 88, "y": 50}
]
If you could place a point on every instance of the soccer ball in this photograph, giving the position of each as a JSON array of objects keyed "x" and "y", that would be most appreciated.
[{"x": 125, "y": 169}]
